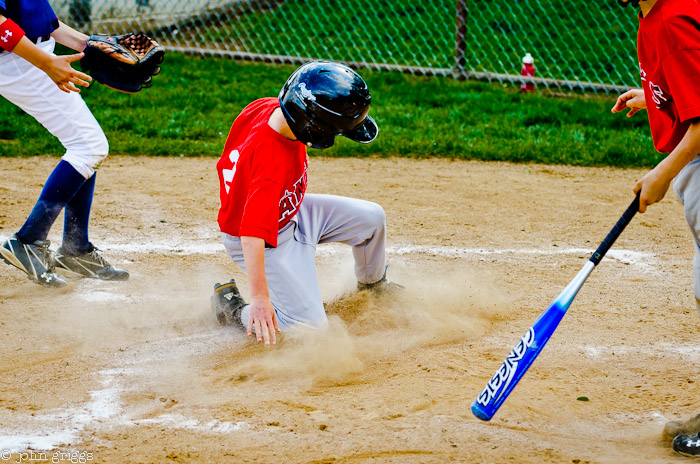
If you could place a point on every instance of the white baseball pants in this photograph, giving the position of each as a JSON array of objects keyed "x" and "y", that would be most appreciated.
[
  {"x": 291, "y": 267},
  {"x": 63, "y": 114}
]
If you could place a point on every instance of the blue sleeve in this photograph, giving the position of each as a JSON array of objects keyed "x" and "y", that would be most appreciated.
[{"x": 35, "y": 17}]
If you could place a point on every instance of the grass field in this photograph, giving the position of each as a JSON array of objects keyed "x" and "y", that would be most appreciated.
[{"x": 193, "y": 102}]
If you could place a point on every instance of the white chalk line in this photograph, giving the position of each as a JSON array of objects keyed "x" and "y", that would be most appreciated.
[
  {"x": 105, "y": 409},
  {"x": 178, "y": 421},
  {"x": 642, "y": 260},
  {"x": 689, "y": 353},
  {"x": 197, "y": 246}
]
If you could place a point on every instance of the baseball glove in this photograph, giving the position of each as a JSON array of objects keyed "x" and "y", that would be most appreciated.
[{"x": 123, "y": 62}]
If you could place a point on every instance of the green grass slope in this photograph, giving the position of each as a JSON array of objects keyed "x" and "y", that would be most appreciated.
[{"x": 193, "y": 102}]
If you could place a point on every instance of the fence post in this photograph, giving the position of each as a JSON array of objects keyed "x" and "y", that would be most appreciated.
[{"x": 460, "y": 70}]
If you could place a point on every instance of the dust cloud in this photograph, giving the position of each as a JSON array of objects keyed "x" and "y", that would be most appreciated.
[
  {"x": 438, "y": 306},
  {"x": 102, "y": 316}
]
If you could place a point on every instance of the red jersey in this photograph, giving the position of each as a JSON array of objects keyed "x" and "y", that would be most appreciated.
[
  {"x": 262, "y": 176},
  {"x": 668, "y": 44}
]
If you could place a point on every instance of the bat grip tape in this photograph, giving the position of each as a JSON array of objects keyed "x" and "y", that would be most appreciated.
[{"x": 616, "y": 230}]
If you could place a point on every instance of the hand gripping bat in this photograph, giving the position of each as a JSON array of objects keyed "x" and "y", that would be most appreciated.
[{"x": 519, "y": 360}]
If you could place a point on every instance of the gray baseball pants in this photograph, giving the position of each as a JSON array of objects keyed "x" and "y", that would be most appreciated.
[
  {"x": 290, "y": 268},
  {"x": 686, "y": 186}
]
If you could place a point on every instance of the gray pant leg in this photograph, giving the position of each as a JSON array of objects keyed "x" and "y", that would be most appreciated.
[
  {"x": 686, "y": 186},
  {"x": 358, "y": 223}
]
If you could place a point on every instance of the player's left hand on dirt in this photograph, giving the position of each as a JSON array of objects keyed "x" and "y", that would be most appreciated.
[
  {"x": 123, "y": 62},
  {"x": 262, "y": 321}
]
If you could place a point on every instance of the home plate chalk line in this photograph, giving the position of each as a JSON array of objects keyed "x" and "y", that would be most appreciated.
[
  {"x": 195, "y": 246},
  {"x": 105, "y": 409}
]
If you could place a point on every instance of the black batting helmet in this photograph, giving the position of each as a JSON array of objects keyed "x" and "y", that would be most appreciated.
[{"x": 323, "y": 99}]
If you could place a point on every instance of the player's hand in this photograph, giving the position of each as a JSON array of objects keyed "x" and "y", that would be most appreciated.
[
  {"x": 632, "y": 99},
  {"x": 654, "y": 186},
  {"x": 60, "y": 71},
  {"x": 262, "y": 318}
]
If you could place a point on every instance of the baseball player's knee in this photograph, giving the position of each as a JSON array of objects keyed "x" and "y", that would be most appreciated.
[
  {"x": 84, "y": 164},
  {"x": 311, "y": 316},
  {"x": 316, "y": 319},
  {"x": 374, "y": 215},
  {"x": 310, "y": 313},
  {"x": 101, "y": 146},
  {"x": 98, "y": 147},
  {"x": 89, "y": 155}
]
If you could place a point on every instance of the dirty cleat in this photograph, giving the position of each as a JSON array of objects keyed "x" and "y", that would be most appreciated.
[
  {"x": 34, "y": 259},
  {"x": 90, "y": 264},
  {"x": 228, "y": 304},
  {"x": 382, "y": 286},
  {"x": 687, "y": 445},
  {"x": 688, "y": 427}
]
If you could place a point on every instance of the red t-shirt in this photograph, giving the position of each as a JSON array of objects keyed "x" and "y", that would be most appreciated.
[
  {"x": 669, "y": 63},
  {"x": 262, "y": 176}
]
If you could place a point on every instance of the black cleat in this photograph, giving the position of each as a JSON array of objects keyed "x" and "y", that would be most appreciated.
[
  {"x": 228, "y": 304},
  {"x": 90, "y": 264},
  {"x": 687, "y": 445},
  {"x": 382, "y": 286},
  {"x": 34, "y": 259}
]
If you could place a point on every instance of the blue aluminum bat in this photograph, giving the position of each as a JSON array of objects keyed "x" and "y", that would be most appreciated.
[{"x": 526, "y": 351}]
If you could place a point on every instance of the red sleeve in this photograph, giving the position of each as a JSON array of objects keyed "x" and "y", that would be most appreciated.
[
  {"x": 261, "y": 212},
  {"x": 681, "y": 66},
  {"x": 262, "y": 206}
]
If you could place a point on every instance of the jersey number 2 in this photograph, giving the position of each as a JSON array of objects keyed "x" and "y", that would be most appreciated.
[{"x": 229, "y": 173}]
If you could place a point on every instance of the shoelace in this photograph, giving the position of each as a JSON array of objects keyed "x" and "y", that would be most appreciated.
[
  {"x": 94, "y": 254},
  {"x": 47, "y": 256}
]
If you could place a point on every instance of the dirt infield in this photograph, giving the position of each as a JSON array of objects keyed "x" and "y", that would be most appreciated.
[{"x": 139, "y": 372}]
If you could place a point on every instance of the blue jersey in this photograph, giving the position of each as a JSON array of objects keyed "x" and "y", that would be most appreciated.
[{"x": 35, "y": 17}]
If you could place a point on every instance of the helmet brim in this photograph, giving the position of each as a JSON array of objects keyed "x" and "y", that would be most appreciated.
[{"x": 365, "y": 133}]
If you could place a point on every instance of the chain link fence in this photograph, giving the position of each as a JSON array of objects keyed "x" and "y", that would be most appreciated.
[{"x": 587, "y": 47}]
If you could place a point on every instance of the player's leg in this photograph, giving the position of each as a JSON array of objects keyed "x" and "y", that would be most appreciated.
[
  {"x": 358, "y": 223},
  {"x": 24, "y": 85},
  {"x": 77, "y": 255},
  {"x": 64, "y": 114},
  {"x": 290, "y": 269},
  {"x": 687, "y": 188},
  {"x": 28, "y": 249},
  {"x": 67, "y": 117},
  {"x": 77, "y": 217}
]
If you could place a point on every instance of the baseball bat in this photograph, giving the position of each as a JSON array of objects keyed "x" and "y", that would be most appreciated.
[{"x": 519, "y": 360}]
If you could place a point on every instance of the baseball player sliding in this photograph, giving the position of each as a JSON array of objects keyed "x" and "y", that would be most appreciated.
[
  {"x": 669, "y": 63},
  {"x": 48, "y": 88},
  {"x": 270, "y": 227}
]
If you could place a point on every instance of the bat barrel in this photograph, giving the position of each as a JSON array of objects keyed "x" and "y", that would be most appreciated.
[
  {"x": 526, "y": 351},
  {"x": 479, "y": 412}
]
